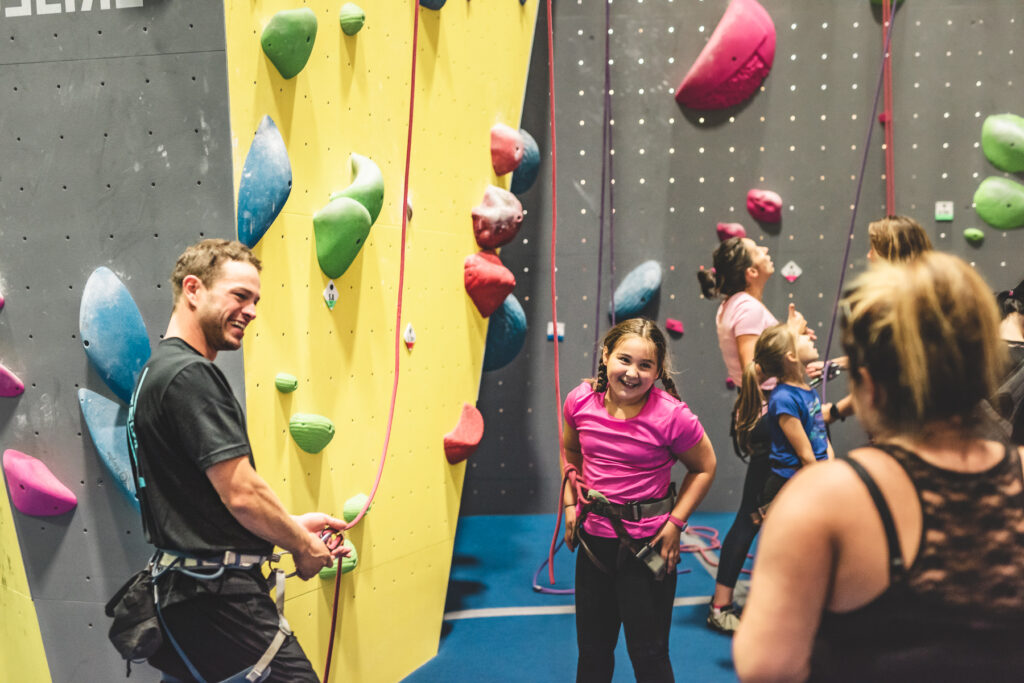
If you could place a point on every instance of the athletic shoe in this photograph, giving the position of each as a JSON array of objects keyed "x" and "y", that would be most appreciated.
[{"x": 724, "y": 620}]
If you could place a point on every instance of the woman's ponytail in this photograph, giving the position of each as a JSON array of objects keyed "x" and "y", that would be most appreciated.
[{"x": 729, "y": 276}]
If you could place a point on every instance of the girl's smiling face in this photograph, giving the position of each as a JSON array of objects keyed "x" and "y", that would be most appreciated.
[{"x": 632, "y": 368}]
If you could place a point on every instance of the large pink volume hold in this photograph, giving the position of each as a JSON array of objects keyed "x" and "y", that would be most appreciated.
[
  {"x": 735, "y": 60},
  {"x": 34, "y": 489}
]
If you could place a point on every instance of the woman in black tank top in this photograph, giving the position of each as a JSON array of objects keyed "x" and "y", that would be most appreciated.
[{"x": 905, "y": 561}]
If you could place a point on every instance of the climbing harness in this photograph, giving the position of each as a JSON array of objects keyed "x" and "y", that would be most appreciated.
[{"x": 207, "y": 569}]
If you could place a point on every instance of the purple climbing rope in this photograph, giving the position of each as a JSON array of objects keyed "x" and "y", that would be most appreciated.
[{"x": 605, "y": 161}]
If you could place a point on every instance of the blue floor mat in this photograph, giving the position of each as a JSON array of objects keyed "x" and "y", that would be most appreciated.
[{"x": 493, "y": 564}]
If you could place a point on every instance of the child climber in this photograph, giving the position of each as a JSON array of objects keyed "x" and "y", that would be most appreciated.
[
  {"x": 622, "y": 435},
  {"x": 795, "y": 421}
]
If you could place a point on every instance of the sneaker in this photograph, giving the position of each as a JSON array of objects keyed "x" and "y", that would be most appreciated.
[{"x": 724, "y": 620}]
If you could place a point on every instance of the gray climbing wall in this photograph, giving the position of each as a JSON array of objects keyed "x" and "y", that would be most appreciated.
[
  {"x": 116, "y": 152},
  {"x": 678, "y": 172}
]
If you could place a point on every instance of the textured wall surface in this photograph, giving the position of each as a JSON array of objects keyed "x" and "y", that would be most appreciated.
[
  {"x": 353, "y": 96},
  {"x": 678, "y": 172},
  {"x": 116, "y": 152}
]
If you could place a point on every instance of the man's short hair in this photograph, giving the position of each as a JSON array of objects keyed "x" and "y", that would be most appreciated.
[{"x": 203, "y": 259}]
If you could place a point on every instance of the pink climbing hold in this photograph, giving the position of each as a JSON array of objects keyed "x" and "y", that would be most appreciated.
[
  {"x": 727, "y": 230},
  {"x": 496, "y": 221},
  {"x": 764, "y": 206},
  {"x": 488, "y": 281},
  {"x": 506, "y": 148},
  {"x": 10, "y": 385},
  {"x": 673, "y": 325},
  {"x": 735, "y": 61},
  {"x": 461, "y": 442},
  {"x": 34, "y": 490}
]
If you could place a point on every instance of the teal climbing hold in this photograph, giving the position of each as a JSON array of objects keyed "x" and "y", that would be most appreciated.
[
  {"x": 286, "y": 383},
  {"x": 288, "y": 40},
  {"x": 352, "y": 18},
  {"x": 526, "y": 172},
  {"x": 637, "y": 290},
  {"x": 432, "y": 4},
  {"x": 265, "y": 185},
  {"x": 107, "y": 424},
  {"x": 367, "y": 186},
  {"x": 347, "y": 563},
  {"x": 1000, "y": 202},
  {"x": 340, "y": 230},
  {"x": 353, "y": 506},
  {"x": 974, "y": 235},
  {"x": 1002, "y": 139},
  {"x": 311, "y": 432},
  {"x": 505, "y": 334},
  {"x": 112, "y": 332}
]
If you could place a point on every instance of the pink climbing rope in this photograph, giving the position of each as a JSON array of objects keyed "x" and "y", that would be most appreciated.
[
  {"x": 398, "y": 331},
  {"x": 554, "y": 269},
  {"x": 890, "y": 164}
]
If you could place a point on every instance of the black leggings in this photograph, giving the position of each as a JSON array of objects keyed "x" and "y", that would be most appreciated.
[
  {"x": 743, "y": 532},
  {"x": 630, "y": 597}
]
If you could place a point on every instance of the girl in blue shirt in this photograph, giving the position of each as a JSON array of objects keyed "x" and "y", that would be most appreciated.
[{"x": 797, "y": 427}]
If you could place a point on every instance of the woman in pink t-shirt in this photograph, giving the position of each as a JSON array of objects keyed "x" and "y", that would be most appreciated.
[
  {"x": 741, "y": 271},
  {"x": 624, "y": 434}
]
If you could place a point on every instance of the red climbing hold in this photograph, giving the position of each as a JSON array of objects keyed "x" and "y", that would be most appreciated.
[
  {"x": 506, "y": 148},
  {"x": 34, "y": 489},
  {"x": 764, "y": 206},
  {"x": 727, "y": 230},
  {"x": 737, "y": 57},
  {"x": 488, "y": 281},
  {"x": 460, "y": 443},
  {"x": 496, "y": 221}
]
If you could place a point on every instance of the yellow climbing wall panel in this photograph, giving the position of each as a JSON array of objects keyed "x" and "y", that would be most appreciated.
[
  {"x": 21, "y": 644},
  {"x": 353, "y": 96}
]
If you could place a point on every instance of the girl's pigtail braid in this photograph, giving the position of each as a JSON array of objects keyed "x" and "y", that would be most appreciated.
[
  {"x": 670, "y": 386},
  {"x": 602, "y": 378}
]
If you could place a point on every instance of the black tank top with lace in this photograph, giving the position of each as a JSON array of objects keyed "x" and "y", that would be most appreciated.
[{"x": 957, "y": 612}]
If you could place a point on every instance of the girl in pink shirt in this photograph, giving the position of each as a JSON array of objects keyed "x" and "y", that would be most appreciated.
[{"x": 623, "y": 435}]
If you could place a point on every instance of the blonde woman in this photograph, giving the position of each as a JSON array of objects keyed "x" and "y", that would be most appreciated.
[{"x": 911, "y": 566}]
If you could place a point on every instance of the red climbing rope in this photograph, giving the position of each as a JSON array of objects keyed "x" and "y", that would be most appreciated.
[
  {"x": 398, "y": 330},
  {"x": 554, "y": 269},
  {"x": 890, "y": 169}
]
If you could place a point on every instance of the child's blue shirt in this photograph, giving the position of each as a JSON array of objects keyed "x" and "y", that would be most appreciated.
[{"x": 804, "y": 405}]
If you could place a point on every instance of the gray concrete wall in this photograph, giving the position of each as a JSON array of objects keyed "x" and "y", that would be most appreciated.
[{"x": 678, "y": 172}]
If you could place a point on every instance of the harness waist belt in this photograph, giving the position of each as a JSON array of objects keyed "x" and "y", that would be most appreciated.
[
  {"x": 230, "y": 558},
  {"x": 634, "y": 512}
]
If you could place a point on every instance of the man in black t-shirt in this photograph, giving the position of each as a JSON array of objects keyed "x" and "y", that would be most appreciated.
[{"x": 198, "y": 489}]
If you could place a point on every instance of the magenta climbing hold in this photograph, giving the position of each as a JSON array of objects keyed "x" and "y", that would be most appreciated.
[
  {"x": 487, "y": 281},
  {"x": 497, "y": 219},
  {"x": 735, "y": 61},
  {"x": 764, "y": 205},
  {"x": 33, "y": 487},
  {"x": 674, "y": 325},
  {"x": 727, "y": 230},
  {"x": 506, "y": 148},
  {"x": 10, "y": 385},
  {"x": 461, "y": 442}
]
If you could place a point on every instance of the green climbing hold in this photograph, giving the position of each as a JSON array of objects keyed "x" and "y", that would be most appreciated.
[
  {"x": 286, "y": 383},
  {"x": 340, "y": 230},
  {"x": 1000, "y": 202},
  {"x": 288, "y": 40},
  {"x": 367, "y": 186},
  {"x": 352, "y": 18},
  {"x": 1002, "y": 138},
  {"x": 353, "y": 505},
  {"x": 311, "y": 432},
  {"x": 347, "y": 563},
  {"x": 974, "y": 235}
]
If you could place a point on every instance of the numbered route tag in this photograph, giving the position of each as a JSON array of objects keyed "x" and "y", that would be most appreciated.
[
  {"x": 330, "y": 295},
  {"x": 791, "y": 271}
]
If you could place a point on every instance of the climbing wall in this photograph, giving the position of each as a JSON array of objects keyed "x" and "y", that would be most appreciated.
[
  {"x": 116, "y": 152},
  {"x": 678, "y": 172},
  {"x": 352, "y": 96}
]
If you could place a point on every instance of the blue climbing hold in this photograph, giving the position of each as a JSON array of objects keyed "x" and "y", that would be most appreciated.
[
  {"x": 526, "y": 172},
  {"x": 265, "y": 185},
  {"x": 636, "y": 290},
  {"x": 113, "y": 333},
  {"x": 505, "y": 334},
  {"x": 107, "y": 422}
]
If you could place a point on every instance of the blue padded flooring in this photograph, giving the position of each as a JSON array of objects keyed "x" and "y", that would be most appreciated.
[{"x": 493, "y": 564}]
